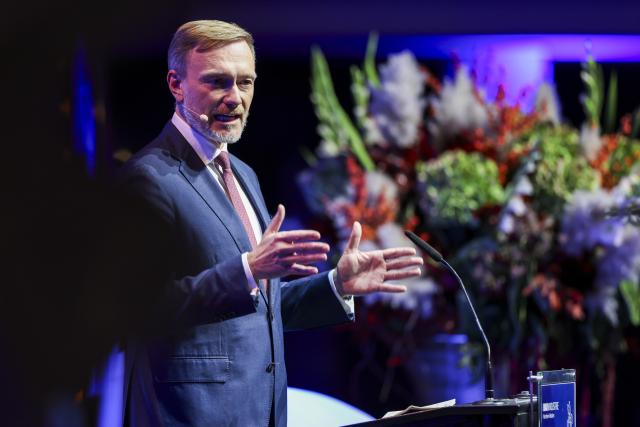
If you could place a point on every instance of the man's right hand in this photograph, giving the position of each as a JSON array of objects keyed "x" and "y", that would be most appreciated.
[{"x": 284, "y": 253}]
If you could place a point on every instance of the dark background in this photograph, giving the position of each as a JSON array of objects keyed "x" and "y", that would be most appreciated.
[{"x": 52, "y": 212}]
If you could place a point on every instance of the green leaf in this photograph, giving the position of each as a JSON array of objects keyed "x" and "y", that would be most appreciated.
[
  {"x": 612, "y": 103},
  {"x": 592, "y": 100},
  {"x": 631, "y": 294},
  {"x": 360, "y": 94},
  {"x": 369, "y": 65},
  {"x": 331, "y": 114}
]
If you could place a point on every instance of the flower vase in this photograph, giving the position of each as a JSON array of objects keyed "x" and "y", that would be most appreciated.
[{"x": 447, "y": 366}]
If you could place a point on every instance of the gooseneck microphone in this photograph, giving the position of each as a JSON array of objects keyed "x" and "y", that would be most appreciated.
[{"x": 436, "y": 256}]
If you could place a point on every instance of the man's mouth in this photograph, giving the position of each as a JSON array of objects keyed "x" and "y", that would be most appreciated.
[{"x": 226, "y": 118}]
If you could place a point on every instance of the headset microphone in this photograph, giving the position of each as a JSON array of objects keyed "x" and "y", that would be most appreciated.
[{"x": 203, "y": 117}]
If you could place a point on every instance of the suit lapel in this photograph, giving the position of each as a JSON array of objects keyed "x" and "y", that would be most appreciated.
[
  {"x": 204, "y": 184},
  {"x": 200, "y": 178}
]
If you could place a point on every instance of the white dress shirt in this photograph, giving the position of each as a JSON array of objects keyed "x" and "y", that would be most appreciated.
[{"x": 207, "y": 151}]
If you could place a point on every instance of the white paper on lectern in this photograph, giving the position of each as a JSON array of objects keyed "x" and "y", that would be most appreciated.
[{"x": 412, "y": 408}]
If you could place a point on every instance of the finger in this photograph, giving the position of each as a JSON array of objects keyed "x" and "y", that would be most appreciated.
[
  {"x": 303, "y": 248},
  {"x": 388, "y": 287},
  {"x": 304, "y": 259},
  {"x": 302, "y": 270},
  {"x": 276, "y": 222},
  {"x": 354, "y": 238},
  {"x": 392, "y": 253},
  {"x": 297, "y": 235},
  {"x": 402, "y": 274},
  {"x": 397, "y": 264}
]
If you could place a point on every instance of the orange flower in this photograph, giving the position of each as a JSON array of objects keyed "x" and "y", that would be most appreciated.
[{"x": 371, "y": 215}]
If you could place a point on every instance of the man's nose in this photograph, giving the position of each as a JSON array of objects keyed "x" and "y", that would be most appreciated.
[{"x": 232, "y": 97}]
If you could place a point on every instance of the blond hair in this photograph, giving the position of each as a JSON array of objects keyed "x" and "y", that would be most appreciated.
[{"x": 203, "y": 36}]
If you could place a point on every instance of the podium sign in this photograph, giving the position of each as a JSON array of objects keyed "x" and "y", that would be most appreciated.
[{"x": 557, "y": 398}]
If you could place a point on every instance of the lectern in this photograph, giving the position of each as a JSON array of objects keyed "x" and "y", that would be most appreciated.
[
  {"x": 555, "y": 400},
  {"x": 509, "y": 413}
]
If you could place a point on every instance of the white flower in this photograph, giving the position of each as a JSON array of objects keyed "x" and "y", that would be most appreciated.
[
  {"x": 584, "y": 224},
  {"x": 507, "y": 223},
  {"x": 516, "y": 206},
  {"x": 379, "y": 183},
  {"x": 625, "y": 186},
  {"x": 457, "y": 108},
  {"x": 391, "y": 235},
  {"x": 547, "y": 104},
  {"x": 590, "y": 141},
  {"x": 328, "y": 149},
  {"x": 523, "y": 187},
  {"x": 372, "y": 133},
  {"x": 397, "y": 106}
]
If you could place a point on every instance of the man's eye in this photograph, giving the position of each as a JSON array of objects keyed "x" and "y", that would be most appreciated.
[
  {"x": 216, "y": 82},
  {"x": 246, "y": 83}
]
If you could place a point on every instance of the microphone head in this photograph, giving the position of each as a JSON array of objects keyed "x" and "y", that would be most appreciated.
[
  {"x": 204, "y": 118},
  {"x": 434, "y": 254}
]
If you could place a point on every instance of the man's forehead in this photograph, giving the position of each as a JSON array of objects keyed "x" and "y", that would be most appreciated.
[
  {"x": 236, "y": 54},
  {"x": 238, "y": 48}
]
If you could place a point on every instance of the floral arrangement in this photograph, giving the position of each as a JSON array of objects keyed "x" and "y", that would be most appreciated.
[{"x": 539, "y": 218}]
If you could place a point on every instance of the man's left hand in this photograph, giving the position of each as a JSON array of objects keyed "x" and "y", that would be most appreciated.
[{"x": 362, "y": 273}]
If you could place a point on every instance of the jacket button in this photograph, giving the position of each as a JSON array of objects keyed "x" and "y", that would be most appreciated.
[{"x": 270, "y": 367}]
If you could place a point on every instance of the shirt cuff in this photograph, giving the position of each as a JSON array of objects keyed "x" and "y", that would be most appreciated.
[
  {"x": 347, "y": 301},
  {"x": 251, "y": 282}
]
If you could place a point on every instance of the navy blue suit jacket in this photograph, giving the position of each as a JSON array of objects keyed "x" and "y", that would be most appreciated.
[{"x": 215, "y": 356}]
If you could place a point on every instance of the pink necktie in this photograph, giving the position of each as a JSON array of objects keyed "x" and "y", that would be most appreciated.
[{"x": 234, "y": 196}]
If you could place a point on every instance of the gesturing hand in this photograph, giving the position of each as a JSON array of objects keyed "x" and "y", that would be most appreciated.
[
  {"x": 361, "y": 273},
  {"x": 282, "y": 253}
]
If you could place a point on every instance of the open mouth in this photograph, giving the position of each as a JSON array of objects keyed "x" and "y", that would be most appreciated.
[{"x": 226, "y": 118}]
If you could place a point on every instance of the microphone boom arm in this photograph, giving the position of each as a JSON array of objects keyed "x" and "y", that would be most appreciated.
[
  {"x": 489, "y": 392},
  {"x": 436, "y": 256}
]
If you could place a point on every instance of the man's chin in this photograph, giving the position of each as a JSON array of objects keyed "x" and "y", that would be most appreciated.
[
  {"x": 225, "y": 137},
  {"x": 228, "y": 134}
]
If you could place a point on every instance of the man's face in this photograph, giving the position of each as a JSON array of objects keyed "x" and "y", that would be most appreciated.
[{"x": 218, "y": 83}]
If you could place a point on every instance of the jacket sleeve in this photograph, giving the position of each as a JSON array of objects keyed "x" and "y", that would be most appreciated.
[
  {"x": 148, "y": 257},
  {"x": 310, "y": 302}
]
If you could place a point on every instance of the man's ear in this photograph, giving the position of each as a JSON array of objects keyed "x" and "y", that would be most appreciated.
[{"x": 173, "y": 80}]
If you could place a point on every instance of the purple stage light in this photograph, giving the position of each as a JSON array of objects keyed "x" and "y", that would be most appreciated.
[{"x": 519, "y": 62}]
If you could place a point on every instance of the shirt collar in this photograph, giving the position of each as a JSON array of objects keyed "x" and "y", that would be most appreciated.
[{"x": 206, "y": 150}]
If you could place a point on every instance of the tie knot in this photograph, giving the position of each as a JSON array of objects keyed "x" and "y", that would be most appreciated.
[{"x": 223, "y": 160}]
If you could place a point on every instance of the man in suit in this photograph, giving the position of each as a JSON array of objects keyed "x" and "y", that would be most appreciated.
[{"x": 214, "y": 355}]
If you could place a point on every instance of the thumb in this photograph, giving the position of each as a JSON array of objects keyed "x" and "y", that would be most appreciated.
[
  {"x": 354, "y": 239},
  {"x": 276, "y": 222}
]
